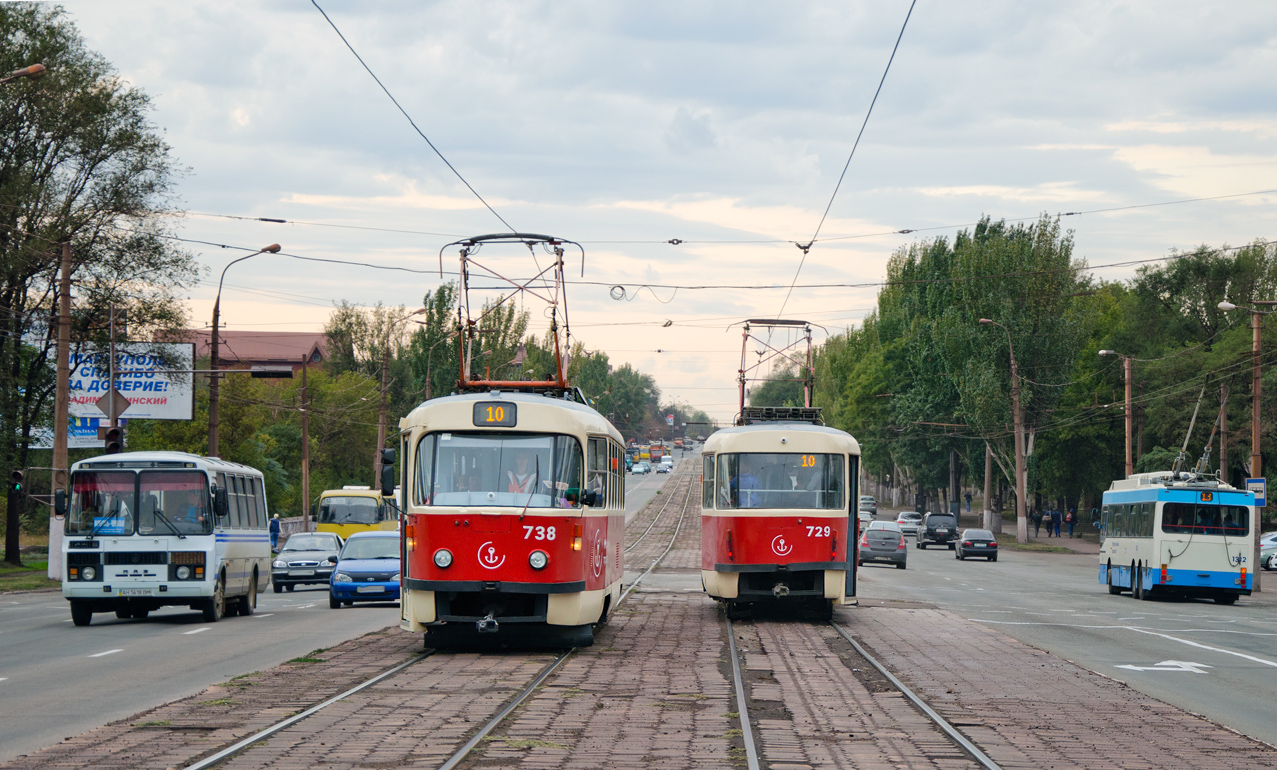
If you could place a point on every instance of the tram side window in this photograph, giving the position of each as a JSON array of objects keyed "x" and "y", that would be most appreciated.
[
  {"x": 1190, "y": 518},
  {"x": 423, "y": 473},
  {"x": 707, "y": 482},
  {"x": 597, "y": 475},
  {"x": 615, "y": 469}
]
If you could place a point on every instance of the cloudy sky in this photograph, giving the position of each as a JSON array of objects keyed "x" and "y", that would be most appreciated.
[{"x": 724, "y": 124}]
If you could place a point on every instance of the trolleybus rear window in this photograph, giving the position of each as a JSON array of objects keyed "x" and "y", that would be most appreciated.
[
  {"x": 757, "y": 480},
  {"x": 102, "y": 503},
  {"x": 173, "y": 503},
  {"x": 487, "y": 469},
  {"x": 1197, "y": 519},
  {"x": 349, "y": 510}
]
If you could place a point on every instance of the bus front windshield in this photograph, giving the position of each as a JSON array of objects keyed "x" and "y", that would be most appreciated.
[
  {"x": 349, "y": 509},
  {"x": 173, "y": 503},
  {"x": 102, "y": 503},
  {"x": 509, "y": 470}
]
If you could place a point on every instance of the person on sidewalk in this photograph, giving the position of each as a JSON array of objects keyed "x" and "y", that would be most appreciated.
[
  {"x": 1037, "y": 522},
  {"x": 274, "y": 534},
  {"x": 967, "y": 496},
  {"x": 1057, "y": 518},
  {"x": 1070, "y": 518}
]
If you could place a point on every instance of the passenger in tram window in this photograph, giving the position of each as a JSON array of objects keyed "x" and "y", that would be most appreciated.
[{"x": 522, "y": 480}]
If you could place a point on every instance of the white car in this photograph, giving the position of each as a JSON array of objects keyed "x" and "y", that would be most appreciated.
[
  {"x": 641, "y": 468},
  {"x": 909, "y": 521}
]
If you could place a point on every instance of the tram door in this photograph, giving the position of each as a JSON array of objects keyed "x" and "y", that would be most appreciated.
[{"x": 853, "y": 520}]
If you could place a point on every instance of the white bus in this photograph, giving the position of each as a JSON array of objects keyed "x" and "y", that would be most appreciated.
[
  {"x": 1184, "y": 536},
  {"x": 150, "y": 529}
]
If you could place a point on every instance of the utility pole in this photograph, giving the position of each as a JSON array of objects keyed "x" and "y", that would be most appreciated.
[
  {"x": 1130, "y": 414},
  {"x": 988, "y": 486},
  {"x": 61, "y": 407},
  {"x": 305, "y": 448},
  {"x": 1223, "y": 432},
  {"x": 381, "y": 422}
]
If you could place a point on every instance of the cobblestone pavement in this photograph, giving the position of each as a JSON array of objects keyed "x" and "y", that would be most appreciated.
[{"x": 1028, "y": 709}]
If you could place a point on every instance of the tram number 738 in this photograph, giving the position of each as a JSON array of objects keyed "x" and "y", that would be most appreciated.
[
  {"x": 539, "y": 533},
  {"x": 819, "y": 531}
]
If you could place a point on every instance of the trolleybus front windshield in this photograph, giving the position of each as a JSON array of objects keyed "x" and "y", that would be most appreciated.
[
  {"x": 780, "y": 480},
  {"x": 349, "y": 510},
  {"x": 488, "y": 469}
]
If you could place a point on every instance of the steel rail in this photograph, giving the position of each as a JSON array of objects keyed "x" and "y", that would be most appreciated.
[
  {"x": 742, "y": 704},
  {"x": 931, "y": 713},
  {"x": 668, "y": 548},
  {"x": 236, "y": 748},
  {"x": 655, "y": 519}
]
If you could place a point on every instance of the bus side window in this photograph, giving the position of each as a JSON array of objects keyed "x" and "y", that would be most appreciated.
[
  {"x": 262, "y": 518},
  {"x": 237, "y": 502},
  {"x": 251, "y": 501}
]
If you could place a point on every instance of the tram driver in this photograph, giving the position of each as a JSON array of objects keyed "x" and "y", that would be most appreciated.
[{"x": 522, "y": 479}]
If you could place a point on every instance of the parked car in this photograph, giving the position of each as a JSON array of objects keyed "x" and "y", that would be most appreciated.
[
  {"x": 908, "y": 522},
  {"x": 1268, "y": 538},
  {"x": 641, "y": 468},
  {"x": 868, "y": 503},
  {"x": 307, "y": 557},
  {"x": 1268, "y": 555},
  {"x": 977, "y": 542},
  {"x": 367, "y": 570},
  {"x": 938, "y": 528},
  {"x": 882, "y": 541}
]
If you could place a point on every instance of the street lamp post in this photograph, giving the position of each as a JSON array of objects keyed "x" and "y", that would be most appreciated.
[
  {"x": 213, "y": 349},
  {"x": 1021, "y": 482},
  {"x": 1126, "y": 368},
  {"x": 1256, "y": 461},
  {"x": 32, "y": 72}
]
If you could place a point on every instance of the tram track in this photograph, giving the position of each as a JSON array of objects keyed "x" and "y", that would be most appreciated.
[{"x": 478, "y": 736}]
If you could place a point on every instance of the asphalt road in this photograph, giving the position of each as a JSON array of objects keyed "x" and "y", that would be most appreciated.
[
  {"x": 1210, "y": 659},
  {"x": 57, "y": 680}
]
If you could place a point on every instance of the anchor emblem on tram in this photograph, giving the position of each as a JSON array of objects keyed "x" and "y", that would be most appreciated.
[
  {"x": 596, "y": 558},
  {"x": 488, "y": 556},
  {"x": 780, "y": 547}
]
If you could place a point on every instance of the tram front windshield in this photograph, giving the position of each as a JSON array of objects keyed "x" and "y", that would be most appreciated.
[
  {"x": 780, "y": 480},
  {"x": 348, "y": 510},
  {"x": 150, "y": 503},
  {"x": 508, "y": 470}
]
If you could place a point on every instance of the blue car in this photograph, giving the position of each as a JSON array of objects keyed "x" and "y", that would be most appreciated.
[{"x": 367, "y": 570}]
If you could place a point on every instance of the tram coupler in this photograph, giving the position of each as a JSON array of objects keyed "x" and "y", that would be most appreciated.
[
  {"x": 780, "y": 590},
  {"x": 488, "y": 625}
]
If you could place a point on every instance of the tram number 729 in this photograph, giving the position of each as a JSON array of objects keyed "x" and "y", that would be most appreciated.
[
  {"x": 818, "y": 531},
  {"x": 539, "y": 533}
]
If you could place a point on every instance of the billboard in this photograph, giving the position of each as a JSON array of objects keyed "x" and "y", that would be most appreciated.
[
  {"x": 154, "y": 377},
  {"x": 82, "y": 433}
]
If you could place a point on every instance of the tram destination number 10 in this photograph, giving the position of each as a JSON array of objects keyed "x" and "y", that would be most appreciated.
[{"x": 495, "y": 414}]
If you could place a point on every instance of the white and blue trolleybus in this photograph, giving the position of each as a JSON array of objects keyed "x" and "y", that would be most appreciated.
[
  {"x": 150, "y": 529},
  {"x": 1177, "y": 534}
]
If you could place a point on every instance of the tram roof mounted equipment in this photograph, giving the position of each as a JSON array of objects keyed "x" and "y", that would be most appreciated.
[
  {"x": 547, "y": 284},
  {"x": 790, "y": 354}
]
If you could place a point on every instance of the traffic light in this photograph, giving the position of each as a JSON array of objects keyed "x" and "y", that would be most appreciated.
[
  {"x": 114, "y": 440},
  {"x": 15, "y": 482}
]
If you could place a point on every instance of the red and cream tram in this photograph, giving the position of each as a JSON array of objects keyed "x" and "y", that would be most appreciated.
[
  {"x": 778, "y": 511},
  {"x": 514, "y": 508}
]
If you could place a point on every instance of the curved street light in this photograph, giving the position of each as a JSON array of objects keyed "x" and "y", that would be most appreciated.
[
  {"x": 213, "y": 350},
  {"x": 31, "y": 72}
]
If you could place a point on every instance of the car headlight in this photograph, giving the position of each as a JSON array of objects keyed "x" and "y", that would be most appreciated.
[
  {"x": 538, "y": 560},
  {"x": 183, "y": 572},
  {"x": 329, "y": 562},
  {"x": 280, "y": 565},
  {"x": 342, "y": 577},
  {"x": 88, "y": 573},
  {"x": 443, "y": 558}
]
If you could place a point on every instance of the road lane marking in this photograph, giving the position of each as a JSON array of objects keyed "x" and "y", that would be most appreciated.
[
  {"x": 4, "y": 678},
  {"x": 1170, "y": 665},
  {"x": 1201, "y": 646},
  {"x": 196, "y": 631},
  {"x": 267, "y": 615},
  {"x": 108, "y": 652}
]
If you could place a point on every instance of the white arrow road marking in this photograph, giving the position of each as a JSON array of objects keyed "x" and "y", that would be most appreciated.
[
  {"x": 108, "y": 652},
  {"x": 1199, "y": 645},
  {"x": 1170, "y": 665},
  {"x": 196, "y": 631}
]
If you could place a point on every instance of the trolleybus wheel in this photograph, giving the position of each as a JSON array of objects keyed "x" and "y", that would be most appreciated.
[
  {"x": 1136, "y": 589},
  {"x": 215, "y": 608},
  {"x": 1108, "y": 575},
  {"x": 248, "y": 604},
  {"x": 81, "y": 612},
  {"x": 333, "y": 604},
  {"x": 1226, "y": 598}
]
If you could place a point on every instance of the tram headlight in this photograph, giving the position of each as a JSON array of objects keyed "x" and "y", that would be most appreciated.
[
  {"x": 183, "y": 572},
  {"x": 88, "y": 573},
  {"x": 443, "y": 558},
  {"x": 538, "y": 560}
]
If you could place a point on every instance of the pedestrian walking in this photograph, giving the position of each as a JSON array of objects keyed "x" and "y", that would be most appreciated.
[
  {"x": 274, "y": 534},
  {"x": 1057, "y": 519},
  {"x": 967, "y": 496},
  {"x": 1071, "y": 519},
  {"x": 1037, "y": 522}
]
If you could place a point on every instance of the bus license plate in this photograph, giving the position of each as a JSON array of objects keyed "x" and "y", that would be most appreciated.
[
  {"x": 370, "y": 590},
  {"x": 135, "y": 592}
]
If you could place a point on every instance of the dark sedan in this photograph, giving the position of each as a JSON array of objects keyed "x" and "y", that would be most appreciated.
[
  {"x": 977, "y": 542},
  {"x": 883, "y": 541},
  {"x": 307, "y": 557}
]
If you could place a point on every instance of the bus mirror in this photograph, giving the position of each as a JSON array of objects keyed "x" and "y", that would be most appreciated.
[
  {"x": 221, "y": 504},
  {"x": 388, "y": 456},
  {"x": 388, "y": 475},
  {"x": 60, "y": 503},
  {"x": 314, "y": 510}
]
